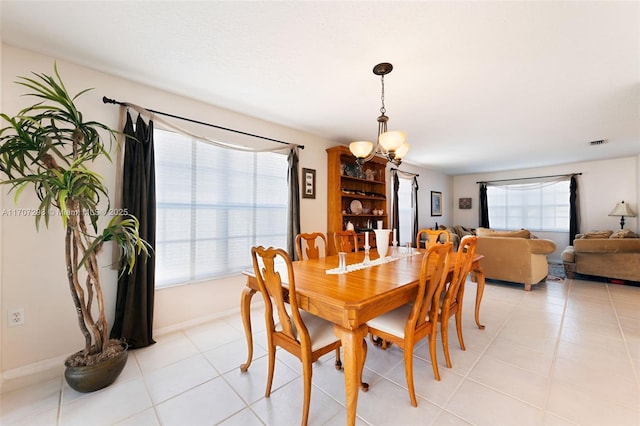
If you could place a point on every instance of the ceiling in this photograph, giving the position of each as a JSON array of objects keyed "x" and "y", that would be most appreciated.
[{"x": 477, "y": 86}]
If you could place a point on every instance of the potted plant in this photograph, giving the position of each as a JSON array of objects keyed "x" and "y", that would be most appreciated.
[{"x": 49, "y": 147}]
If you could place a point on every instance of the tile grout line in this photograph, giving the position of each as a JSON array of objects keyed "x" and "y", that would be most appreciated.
[
  {"x": 552, "y": 367},
  {"x": 466, "y": 375},
  {"x": 543, "y": 408},
  {"x": 624, "y": 337},
  {"x": 59, "y": 413}
]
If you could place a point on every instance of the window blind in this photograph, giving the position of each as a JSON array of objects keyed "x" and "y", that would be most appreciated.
[
  {"x": 537, "y": 206},
  {"x": 213, "y": 205}
]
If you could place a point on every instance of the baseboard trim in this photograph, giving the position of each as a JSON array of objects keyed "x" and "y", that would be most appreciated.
[
  {"x": 194, "y": 322},
  {"x": 31, "y": 369},
  {"x": 58, "y": 362}
]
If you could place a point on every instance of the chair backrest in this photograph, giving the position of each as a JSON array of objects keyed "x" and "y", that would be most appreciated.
[
  {"x": 311, "y": 241},
  {"x": 346, "y": 241},
  {"x": 275, "y": 299},
  {"x": 462, "y": 267},
  {"x": 433, "y": 274},
  {"x": 433, "y": 236}
]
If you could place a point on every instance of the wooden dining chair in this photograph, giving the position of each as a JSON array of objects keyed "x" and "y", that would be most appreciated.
[
  {"x": 310, "y": 240},
  {"x": 453, "y": 293},
  {"x": 298, "y": 332},
  {"x": 410, "y": 323},
  {"x": 346, "y": 241},
  {"x": 432, "y": 236}
]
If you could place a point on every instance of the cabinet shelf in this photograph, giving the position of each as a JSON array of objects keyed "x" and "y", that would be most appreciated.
[
  {"x": 345, "y": 183},
  {"x": 363, "y": 197},
  {"x": 357, "y": 179},
  {"x": 364, "y": 215}
]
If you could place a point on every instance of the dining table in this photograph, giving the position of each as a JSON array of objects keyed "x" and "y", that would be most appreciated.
[{"x": 350, "y": 299}]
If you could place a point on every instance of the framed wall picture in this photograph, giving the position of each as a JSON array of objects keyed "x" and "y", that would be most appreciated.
[
  {"x": 464, "y": 203},
  {"x": 308, "y": 183},
  {"x": 436, "y": 203}
]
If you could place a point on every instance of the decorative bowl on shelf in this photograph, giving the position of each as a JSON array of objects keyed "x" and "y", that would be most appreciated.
[
  {"x": 370, "y": 174},
  {"x": 356, "y": 207}
]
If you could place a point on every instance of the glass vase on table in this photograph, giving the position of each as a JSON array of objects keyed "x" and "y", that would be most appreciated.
[{"x": 382, "y": 241}]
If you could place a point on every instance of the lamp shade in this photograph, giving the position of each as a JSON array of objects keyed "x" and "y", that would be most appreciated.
[
  {"x": 402, "y": 151},
  {"x": 361, "y": 149},
  {"x": 622, "y": 209},
  {"x": 392, "y": 140}
]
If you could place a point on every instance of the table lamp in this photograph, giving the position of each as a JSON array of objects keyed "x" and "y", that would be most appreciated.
[{"x": 621, "y": 209}]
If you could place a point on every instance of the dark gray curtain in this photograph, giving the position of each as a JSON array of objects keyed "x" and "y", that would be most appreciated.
[
  {"x": 293, "y": 216},
  {"x": 395, "y": 217},
  {"x": 414, "y": 202},
  {"x": 574, "y": 218},
  {"x": 484, "y": 206},
  {"x": 134, "y": 303}
]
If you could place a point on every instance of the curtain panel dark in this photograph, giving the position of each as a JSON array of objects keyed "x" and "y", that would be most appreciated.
[
  {"x": 414, "y": 202},
  {"x": 574, "y": 217},
  {"x": 396, "y": 212},
  {"x": 484, "y": 206},
  {"x": 293, "y": 217},
  {"x": 135, "y": 296}
]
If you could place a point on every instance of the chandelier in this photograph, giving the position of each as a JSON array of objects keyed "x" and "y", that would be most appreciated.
[{"x": 389, "y": 144}]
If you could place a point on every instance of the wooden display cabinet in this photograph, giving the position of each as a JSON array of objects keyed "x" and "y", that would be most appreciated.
[{"x": 355, "y": 194}]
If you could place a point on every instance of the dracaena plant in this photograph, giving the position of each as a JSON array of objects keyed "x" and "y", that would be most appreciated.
[{"x": 49, "y": 147}]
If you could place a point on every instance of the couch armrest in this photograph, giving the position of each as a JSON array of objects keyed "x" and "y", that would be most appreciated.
[
  {"x": 541, "y": 246},
  {"x": 569, "y": 255}
]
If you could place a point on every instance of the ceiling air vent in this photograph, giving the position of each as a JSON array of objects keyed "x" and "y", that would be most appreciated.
[{"x": 598, "y": 142}]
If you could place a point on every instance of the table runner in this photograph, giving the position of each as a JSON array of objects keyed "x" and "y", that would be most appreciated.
[{"x": 375, "y": 262}]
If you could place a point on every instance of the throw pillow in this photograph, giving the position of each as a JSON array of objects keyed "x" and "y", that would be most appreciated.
[
  {"x": 624, "y": 233},
  {"x": 484, "y": 232},
  {"x": 597, "y": 234},
  {"x": 461, "y": 231}
]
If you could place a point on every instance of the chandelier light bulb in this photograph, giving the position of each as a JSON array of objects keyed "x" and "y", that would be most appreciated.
[
  {"x": 361, "y": 149},
  {"x": 390, "y": 144},
  {"x": 392, "y": 140},
  {"x": 402, "y": 151}
]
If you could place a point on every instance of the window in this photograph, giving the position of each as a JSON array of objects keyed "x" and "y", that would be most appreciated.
[
  {"x": 539, "y": 206},
  {"x": 213, "y": 205},
  {"x": 405, "y": 211}
]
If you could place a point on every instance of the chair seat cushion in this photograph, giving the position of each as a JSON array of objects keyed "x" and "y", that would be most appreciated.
[
  {"x": 392, "y": 322},
  {"x": 320, "y": 330}
]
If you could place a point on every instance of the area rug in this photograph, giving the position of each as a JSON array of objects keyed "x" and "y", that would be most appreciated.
[{"x": 556, "y": 272}]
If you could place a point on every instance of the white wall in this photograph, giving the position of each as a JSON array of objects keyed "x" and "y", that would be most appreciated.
[
  {"x": 602, "y": 184},
  {"x": 429, "y": 180},
  {"x": 33, "y": 275},
  {"x": 2, "y": 311}
]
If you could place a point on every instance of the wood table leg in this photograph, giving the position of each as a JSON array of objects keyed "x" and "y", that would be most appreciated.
[
  {"x": 479, "y": 292},
  {"x": 245, "y": 310},
  {"x": 354, "y": 356}
]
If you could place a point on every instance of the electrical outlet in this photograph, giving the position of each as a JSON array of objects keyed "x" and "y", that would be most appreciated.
[{"x": 16, "y": 317}]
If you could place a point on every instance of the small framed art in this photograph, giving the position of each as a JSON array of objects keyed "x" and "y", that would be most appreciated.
[
  {"x": 436, "y": 203},
  {"x": 308, "y": 183},
  {"x": 464, "y": 203}
]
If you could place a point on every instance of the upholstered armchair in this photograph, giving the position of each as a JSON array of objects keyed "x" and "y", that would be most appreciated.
[{"x": 513, "y": 256}]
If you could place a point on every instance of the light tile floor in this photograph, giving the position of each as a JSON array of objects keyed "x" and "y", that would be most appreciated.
[{"x": 566, "y": 353}]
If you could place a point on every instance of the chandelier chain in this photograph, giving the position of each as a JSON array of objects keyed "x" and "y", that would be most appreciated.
[
  {"x": 382, "y": 108},
  {"x": 391, "y": 145}
]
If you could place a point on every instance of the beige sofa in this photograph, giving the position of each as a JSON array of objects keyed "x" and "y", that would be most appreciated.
[
  {"x": 604, "y": 254},
  {"x": 514, "y": 256},
  {"x": 456, "y": 233}
]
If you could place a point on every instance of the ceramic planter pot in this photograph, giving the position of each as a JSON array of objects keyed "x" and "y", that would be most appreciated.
[{"x": 91, "y": 378}]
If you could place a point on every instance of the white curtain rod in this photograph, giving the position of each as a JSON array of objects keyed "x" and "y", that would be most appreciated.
[
  {"x": 113, "y": 101},
  {"x": 527, "y": 178}
]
